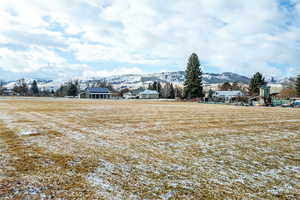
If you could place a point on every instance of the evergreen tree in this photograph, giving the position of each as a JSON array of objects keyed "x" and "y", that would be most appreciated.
[
  {"x": 150, "y": 86},
  {"x": 193, "y": 78},
  {"x": 256, "y": 82},
  {"x": 1, "y": 87},
  {"x": 72, "y": 89},
  {"x": 62, "y": 91},
  {"x": 159, "y": 89},
  {"x": 298, "y": 86},
  {"x": 172, "y": 92},
  {"x": 210, "y": 93},
  {"x": 155, "y": 86},
  {"x": 34, "y": 88},
  {"x": 273, "y": 80}
]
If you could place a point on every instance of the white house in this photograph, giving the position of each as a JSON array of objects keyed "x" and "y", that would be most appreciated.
[
  {"x": 133, "y": 94},
  {"x": 149, "y": 94},
  {"x": 129, "y": 95},
  {"x": 227, "y": 95},
  {"x": 275, "y": 88}
]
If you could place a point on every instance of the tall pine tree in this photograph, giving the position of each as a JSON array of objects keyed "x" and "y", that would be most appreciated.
[
  {"x": 172, "y": 92},
  {"x": 193, "y": 78},
  {"x": 72, "y": 88},
  {"x": 1, "y": 87},
  {"x": 159, "y": 88},
  {"x": 256, "y": 82},
  {"x": 155, "y": 86},
  {"x": 34, "y": 88},
  {"x": 298, "y": 85},
  {"x": 150, "y": 86}
]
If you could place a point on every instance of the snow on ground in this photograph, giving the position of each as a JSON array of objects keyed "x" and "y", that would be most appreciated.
[
  {"x": 27, "y": 132},
  {"x": 80, "y": 149}
]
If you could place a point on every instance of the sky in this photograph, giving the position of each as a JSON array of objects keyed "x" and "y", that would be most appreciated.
[{"x": 63, "y": 39}]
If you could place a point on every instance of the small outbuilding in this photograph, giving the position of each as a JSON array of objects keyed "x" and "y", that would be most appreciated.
[
  {"x": 7, "y": 92},
  {"x": 96, "y": 93},
  {"x": 133, "y": 94},
  {"x": 149, "y": 94},
  {"x": 264, "y": 91},
  {"x": 130, "y": 95}
]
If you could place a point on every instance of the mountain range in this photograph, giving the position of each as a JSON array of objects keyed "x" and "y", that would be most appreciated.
[{"x": 141, "y": 80}]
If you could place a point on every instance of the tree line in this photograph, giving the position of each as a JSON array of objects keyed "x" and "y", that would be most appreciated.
[
  {"x": 72, "y": 88},
  {"x": 23, "y": 89},
  {"x": 166, "y": 90}
]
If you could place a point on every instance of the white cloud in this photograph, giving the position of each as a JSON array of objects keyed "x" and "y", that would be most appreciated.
[
  {"x": 28, "y": 60},
  {"x": 116, "y": 71},
  {"x": 231, "y": 35},
  {"x": 291, "y": 71},
  {"x": 90, "y": 53}
]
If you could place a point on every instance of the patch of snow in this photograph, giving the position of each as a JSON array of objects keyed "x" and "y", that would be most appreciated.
[
  {"x": 97, "y": 181},
  {"x": 27, "y": 132},
  {"x": 168, "y": 195}
]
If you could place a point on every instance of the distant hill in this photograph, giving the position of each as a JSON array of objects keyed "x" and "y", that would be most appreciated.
[
  {"x": 288, "y": 82},
  {"x": 139, "y": 80},
  {"x": 142, "y": 80}
]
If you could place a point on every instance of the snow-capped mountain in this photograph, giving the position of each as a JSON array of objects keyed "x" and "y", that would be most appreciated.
[
  {"x": 46, "y": 85},
  {"x": 141, "y": 80},
  {"x": 289, "y": 81}
]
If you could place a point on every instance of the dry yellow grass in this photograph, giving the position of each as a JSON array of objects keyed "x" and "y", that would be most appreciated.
[{"x": 82, "y": 149}]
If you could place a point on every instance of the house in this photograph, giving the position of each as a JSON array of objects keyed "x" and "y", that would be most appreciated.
[
  {"x": 149, "y": 94},
  {"x": 227, "y": 95},
  {"x": 133, "y": 94},
  {"x": 96, "y": 93},
  {"x": 275, "y": 89},
  {"x": 7, "y": 92},
  {"x": 130, "y": 95}
]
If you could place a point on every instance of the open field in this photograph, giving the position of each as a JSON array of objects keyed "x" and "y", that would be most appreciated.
[{"x": 82, "y": 149}]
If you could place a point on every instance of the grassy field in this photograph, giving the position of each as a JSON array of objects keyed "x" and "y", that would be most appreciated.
[{"x": 82, "y": 149}]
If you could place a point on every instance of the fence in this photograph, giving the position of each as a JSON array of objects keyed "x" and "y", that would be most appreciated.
[{"x": 279, "y": 102}]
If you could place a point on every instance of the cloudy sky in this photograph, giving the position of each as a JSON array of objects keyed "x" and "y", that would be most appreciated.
[{"x": 59, "y": 39}]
